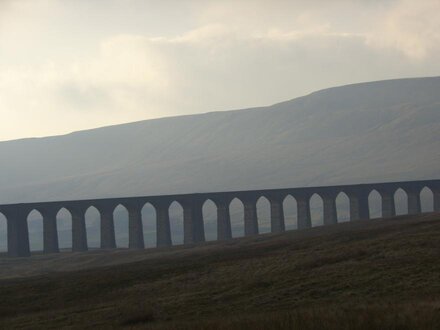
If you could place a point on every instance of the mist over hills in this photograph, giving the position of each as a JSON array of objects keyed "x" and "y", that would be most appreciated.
[{"x": 378, "y": 131}]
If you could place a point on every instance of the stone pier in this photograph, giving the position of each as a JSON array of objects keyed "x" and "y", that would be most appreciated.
[
  {"x": 193, "y": 227},
  {"x": 250, "y": 216},
  {"x": 388, "y": 205},
  {"x": 18, "y": 234},
  {"x": 277, "y": 224},
  {"x": 50, "y": 232},
  {"x": 330, "y": 213},
  {"x": 436, "y": 193},
  {"x": 79, "y": 233},
  {"x": 224, "y": 231},
  {"x": 359, "y": 209},
  {"x": 414, "y": 205},
  {"x": 163, "y": 231},
  {"x": 303, "y": 209},
  {"x": 108, "y": 239},
  {"x": 135, "y": 227}
]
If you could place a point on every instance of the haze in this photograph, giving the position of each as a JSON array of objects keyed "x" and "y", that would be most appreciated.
[{"x": 72, "y": 65}]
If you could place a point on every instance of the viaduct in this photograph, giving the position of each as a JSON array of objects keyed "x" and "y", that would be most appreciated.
[{"x": 18, "y": 235}]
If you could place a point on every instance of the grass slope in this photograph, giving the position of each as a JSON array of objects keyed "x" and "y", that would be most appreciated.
[{"x": 378, "y": 274}]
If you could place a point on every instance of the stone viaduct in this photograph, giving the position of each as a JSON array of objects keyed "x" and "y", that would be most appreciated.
[{"x": 18, "y": 235}]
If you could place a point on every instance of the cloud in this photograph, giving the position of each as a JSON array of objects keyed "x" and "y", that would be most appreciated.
[
  {"x": 234, "y": 55},
  {"x": 410, "y": 27}
]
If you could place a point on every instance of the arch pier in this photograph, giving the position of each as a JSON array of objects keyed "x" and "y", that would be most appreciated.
[
  {"x": 388, "y": 204},
  {"x": 224, "y": 228},
  {"x": 277, "y": 223},
  {"x": 193, "y": 223},
  {"x": 163, "y": 228},
  {"x": 303, "y": 208},
  {"x": 108, "y": 237},
  {"x": 436, "y": 194},
  {"x": 50, "y": 231},
  {"x": 330, "y": 212},
  {"x": 359, "y": 208},
  {"x": 414, "y": 204}
]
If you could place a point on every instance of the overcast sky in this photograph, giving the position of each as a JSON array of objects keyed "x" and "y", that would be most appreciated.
[{"x": 68, "y": 65}]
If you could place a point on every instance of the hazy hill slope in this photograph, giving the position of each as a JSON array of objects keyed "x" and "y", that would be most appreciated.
[{"x": 385, "y": 130}]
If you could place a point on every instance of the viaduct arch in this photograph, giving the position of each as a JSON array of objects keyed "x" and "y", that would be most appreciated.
[{"x": 192, "y": 204}]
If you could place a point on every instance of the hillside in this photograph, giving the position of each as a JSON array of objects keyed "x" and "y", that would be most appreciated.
[
  {"x": 378, "y": 131},
  {"x": 377, "y": 274},
  {"x": 366, "y": 132}
]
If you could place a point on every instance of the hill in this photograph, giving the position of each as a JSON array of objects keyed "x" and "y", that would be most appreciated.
[
  {"x": 377, "y": 274},
  {"x": 369, "y": 132},
  {"x": 365, "y": 132}
]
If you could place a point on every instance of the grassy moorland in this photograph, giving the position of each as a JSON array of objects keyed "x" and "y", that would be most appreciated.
[{"x": 377, "y": 274}]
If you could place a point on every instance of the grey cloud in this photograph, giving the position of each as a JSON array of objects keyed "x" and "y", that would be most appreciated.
[{"x": 220, "y": 60}]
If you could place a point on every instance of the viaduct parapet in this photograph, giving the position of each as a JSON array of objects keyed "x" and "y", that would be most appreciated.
[{"x": 192, "y": 204}]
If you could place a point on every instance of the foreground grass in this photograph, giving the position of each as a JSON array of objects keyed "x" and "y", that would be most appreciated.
[
  {"x": 411, "y": 316},
  {"x": 378, "y": 274}
]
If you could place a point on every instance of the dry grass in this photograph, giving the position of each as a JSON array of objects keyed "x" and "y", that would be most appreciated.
[{"x": 379, "y": 274}]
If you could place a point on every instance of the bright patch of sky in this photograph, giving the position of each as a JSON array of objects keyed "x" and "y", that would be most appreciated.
[{"x": 71, "y": 65}]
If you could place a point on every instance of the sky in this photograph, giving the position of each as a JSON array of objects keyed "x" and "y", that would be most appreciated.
[{"x": 70, "y": 65}]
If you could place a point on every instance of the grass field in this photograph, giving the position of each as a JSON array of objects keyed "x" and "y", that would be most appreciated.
[{"x": 376, "y": 274}]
